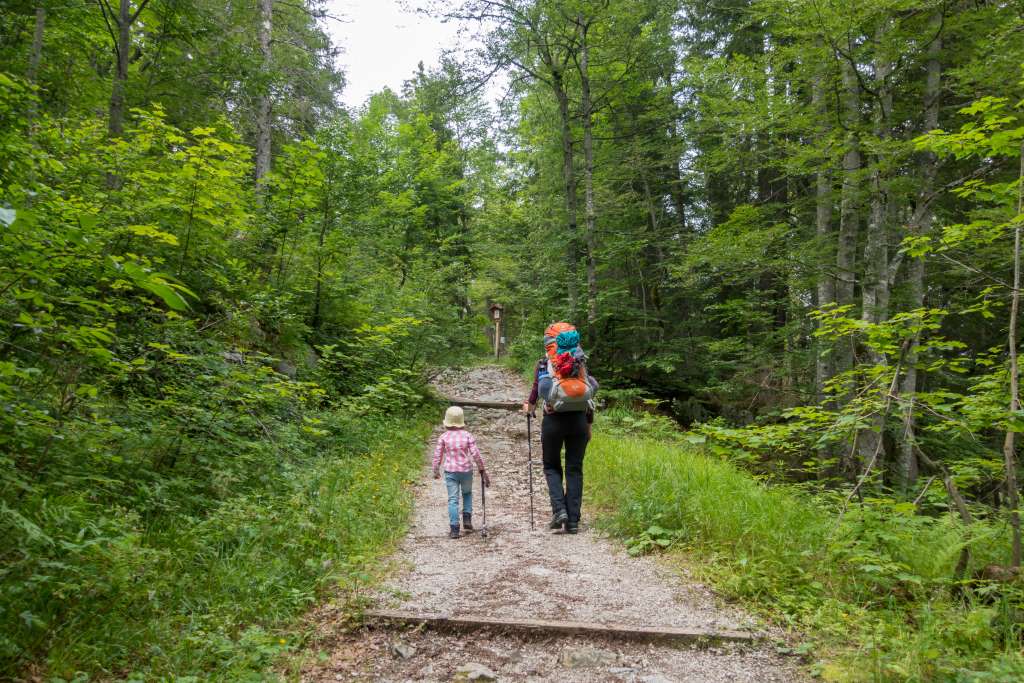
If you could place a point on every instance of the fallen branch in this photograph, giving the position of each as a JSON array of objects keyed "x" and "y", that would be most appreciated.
[
  {"x": 549, "y": 629},
  {"x": 470, "y": 403}
]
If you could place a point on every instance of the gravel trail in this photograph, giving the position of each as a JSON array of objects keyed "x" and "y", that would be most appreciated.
[{"x": 527, "y": 574}]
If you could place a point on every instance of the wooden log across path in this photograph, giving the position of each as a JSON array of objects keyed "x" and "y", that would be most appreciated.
[
  {"x": 663, "y": 634},
  {"x": 472, "y": 403}
]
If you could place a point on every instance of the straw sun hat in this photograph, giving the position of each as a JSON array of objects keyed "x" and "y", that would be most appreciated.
[{"x": 454, "y": 417}]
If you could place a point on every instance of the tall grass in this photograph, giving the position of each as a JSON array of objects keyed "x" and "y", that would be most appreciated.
[
  {"x": 218, "y": 595},
  {"x": 870, "y": 590}
]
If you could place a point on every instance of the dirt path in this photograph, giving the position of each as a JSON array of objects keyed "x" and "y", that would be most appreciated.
[{"x": 533, "y": 575}]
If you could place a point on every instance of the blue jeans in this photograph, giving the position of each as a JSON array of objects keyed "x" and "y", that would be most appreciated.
[{"x": 459, "y": 481}]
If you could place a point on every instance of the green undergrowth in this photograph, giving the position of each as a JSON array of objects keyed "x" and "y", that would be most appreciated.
[
  {"x": 870, "y": 590},
  {"x": 106, "y": 591}
]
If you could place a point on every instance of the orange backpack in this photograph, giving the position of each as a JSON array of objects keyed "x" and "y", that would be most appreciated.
[{"x": 570, "y": 390}]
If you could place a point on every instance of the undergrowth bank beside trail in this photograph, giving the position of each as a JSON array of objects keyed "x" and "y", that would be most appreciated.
[
  {"x": 872, "y": 591},
  {"x": 219, "y": 595}
]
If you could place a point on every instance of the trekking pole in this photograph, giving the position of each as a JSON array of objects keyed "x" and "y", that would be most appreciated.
[
  {"x": 483, "y": 501},
  {"x": 529, "y": 449}
]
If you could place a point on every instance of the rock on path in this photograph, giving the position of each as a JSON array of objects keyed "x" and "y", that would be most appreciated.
[{"x": 528, "y": 574}]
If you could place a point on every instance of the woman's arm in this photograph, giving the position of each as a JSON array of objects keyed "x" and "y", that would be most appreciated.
[{"x": 531, "y": 402}]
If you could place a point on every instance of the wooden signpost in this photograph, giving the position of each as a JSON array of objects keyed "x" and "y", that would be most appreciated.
[{"x": 496, "y": 311}]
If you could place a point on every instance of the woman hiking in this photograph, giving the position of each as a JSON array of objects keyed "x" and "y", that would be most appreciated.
[{"x": 561, "y": 379}]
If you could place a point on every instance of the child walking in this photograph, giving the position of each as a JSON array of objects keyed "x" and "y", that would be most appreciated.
[{"x": 456, "y": 448}]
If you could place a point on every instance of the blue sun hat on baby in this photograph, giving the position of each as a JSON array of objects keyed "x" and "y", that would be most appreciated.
[{"x": 567, "y": 341}]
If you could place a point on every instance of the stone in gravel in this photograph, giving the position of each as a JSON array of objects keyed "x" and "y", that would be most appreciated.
[
  {"x": 474, "y": 672},
  {"x": 586, "y": 657},
  {"x": 403, "y": 650}
]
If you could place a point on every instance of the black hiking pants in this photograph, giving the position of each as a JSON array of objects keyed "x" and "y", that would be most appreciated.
[{"x": 570, "y": 430}]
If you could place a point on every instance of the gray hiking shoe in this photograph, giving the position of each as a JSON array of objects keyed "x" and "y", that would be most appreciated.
[{"x": 559, "y": 519}]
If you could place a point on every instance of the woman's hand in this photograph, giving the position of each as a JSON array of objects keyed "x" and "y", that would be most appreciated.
[{"x": 437, "y": 475}]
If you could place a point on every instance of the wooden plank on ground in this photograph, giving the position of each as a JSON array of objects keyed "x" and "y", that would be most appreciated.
[
  {"x": 470, "y": 403},
  {"x": 537, "y": 626}
]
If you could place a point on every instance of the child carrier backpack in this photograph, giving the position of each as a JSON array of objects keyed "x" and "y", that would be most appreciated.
[{"x": 570, "y": 390}]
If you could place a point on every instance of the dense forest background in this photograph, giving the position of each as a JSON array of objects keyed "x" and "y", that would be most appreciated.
[{"x": 793, "y": 226}]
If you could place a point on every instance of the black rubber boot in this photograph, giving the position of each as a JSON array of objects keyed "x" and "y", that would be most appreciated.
[
  {"x": 467, "y": 521},
  {"x": 558, "y": 520},
  {"x": 572, "y": 527},
  {"x": 454, "y": 533}
]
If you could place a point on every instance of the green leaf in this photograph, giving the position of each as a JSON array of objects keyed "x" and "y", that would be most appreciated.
[{"x": 155, "y": 284}]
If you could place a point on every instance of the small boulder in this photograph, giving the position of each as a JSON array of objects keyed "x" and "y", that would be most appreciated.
[
  {"x": 286, "y": 368},
  {"x": 403, "y": 650},
  {"x": 474, "y": 672},
  {"x": 586, "y": 658}
]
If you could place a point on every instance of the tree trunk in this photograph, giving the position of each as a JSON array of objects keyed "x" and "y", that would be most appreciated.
[
  {"x": 906, "y": 470},
  {"x": 263, "y": 113},
  {"x": 37, "y": 45},
  {"x": 824, "y": 363},
  {"x": 848, "y": 207},
  {"x": 846, "y": 253},
  {"x": 123, "y": 22},
  {"x": 326, "y": 223},
  {"x": 588, "y": 179},
  {"x": 32, "y": 75},
  {"x": 1009, "y": 454},
  {"x": 569, "y": 177},
  {"x": 675, "y": 179},
  {"x": 875, "y": 287}
]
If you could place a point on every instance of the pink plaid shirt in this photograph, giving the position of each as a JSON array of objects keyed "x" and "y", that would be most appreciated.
[{"x": 456, "y": 447}]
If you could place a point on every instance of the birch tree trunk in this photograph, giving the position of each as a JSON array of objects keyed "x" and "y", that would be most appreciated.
[{"x": 263, "y": 112}]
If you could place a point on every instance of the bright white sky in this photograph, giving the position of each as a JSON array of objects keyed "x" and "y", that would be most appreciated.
[{"x": 382, "y": 44}]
